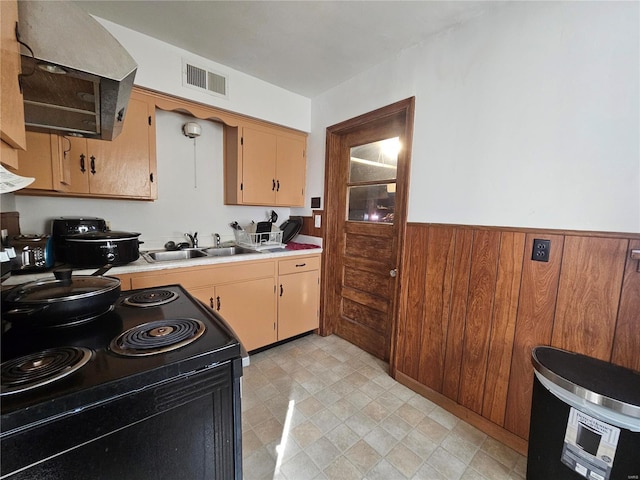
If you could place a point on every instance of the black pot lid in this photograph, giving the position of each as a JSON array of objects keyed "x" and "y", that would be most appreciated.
[
  {"x": 53, "y": 291},
  {"x": 291, "y": 228},
  {"x": 96, "y": 236}
]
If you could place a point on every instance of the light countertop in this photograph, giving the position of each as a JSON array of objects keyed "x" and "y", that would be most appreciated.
[{"x": 142, "y": 265}]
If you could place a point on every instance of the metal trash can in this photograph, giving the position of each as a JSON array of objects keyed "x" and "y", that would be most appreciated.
[{"x": 585, "y": 418}]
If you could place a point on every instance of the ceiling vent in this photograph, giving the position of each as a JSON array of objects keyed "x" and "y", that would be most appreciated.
[{"x": 201, "y": 79}]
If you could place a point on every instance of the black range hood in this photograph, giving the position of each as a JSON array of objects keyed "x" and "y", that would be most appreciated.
[{"x": 76, "y": 77}]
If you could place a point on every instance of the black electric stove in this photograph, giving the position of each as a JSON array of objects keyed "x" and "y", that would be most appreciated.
[{"x": 157, "y": 375}]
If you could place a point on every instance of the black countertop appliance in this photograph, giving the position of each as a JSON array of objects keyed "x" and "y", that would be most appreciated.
[
  {"x": 148, "y": 390},
  {"x": 62, "y": 227}
]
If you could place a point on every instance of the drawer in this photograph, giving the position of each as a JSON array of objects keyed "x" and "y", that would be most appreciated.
[{"x": 298, "y": 264}]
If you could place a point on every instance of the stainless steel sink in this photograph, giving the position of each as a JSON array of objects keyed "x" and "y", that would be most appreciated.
[
  {"x": 188, "y": 253},
  {"x": 225, "y": 251},
  {"x": 172, "y": 255}
]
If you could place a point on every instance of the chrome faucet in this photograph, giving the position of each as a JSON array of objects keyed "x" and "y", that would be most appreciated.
[
  {"x": 193, "y": 239},
  {"x": 217, "y": 240}
]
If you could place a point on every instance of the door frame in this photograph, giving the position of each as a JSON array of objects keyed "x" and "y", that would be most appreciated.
[{"x": 330, "y": 267}]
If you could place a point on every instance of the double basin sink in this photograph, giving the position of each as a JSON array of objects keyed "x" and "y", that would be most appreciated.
[{"x": 189, "y": 253}]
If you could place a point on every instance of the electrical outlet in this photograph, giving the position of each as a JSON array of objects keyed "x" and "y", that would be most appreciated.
[{"x": 541, "y": 249}]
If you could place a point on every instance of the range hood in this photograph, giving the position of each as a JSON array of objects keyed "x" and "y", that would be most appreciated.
[{"x": 77, "y": 78}]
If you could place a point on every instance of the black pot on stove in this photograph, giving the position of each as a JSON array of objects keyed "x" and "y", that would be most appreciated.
[{"x": 94, "y": 249}]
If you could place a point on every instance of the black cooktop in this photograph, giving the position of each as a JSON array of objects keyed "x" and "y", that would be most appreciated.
[{"x": 109, "y": 372}]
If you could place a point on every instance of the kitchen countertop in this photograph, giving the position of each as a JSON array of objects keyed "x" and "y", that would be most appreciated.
[{"x": 142, "y": 265}]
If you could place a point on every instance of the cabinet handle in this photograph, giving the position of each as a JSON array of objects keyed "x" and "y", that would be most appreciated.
[
  {"x": 218, "y": 302},
  {"x": 93, "y": 164},
  {"x": 278, "y": 187},
  {"x": 301, "y": 265},
  {"x": 82, "y": 169},
  {"x": 281, "y": 290},
  {"x": 273, "y": 187},
  {"x": 211, "y": 302}
]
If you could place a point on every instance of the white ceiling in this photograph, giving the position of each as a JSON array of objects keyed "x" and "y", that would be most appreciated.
[{"x": 306, "y": 47}]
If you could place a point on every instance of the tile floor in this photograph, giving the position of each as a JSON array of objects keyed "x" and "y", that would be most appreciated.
[{"x": 321, "y": 408}]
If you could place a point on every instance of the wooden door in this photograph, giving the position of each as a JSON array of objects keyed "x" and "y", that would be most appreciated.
[
  {"x": 122, "y": 166},
  {"x": 366, "y": 194},
  {"x": 258, "y": 167},
  {"x": 250, "y": 308},
  {"x": 290, "y": 171}
]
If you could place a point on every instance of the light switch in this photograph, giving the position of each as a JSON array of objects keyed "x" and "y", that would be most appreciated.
[{"x": 317, "y": 221}]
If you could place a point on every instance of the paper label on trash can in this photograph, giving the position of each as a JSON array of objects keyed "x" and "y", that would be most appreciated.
[{"x": 589, "y": 446}]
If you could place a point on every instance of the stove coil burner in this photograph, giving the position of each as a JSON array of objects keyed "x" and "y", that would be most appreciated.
[
  {"x": 150, "y": 298},
  {"x": 41, "y": 368},
  {"x": 157, "y": 337}
]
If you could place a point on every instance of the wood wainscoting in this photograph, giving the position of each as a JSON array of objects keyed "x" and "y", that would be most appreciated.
[{"x": 474, "y": 304}]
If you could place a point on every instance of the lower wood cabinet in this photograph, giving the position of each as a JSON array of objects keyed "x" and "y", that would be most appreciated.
[
  {"x": 249, "y": 307},
  {"x": 264, "y": 301},
  {"x": 298, "y": 296}
]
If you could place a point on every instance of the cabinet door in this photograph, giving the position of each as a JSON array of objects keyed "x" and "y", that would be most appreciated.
[
  {"x": 11, "y": 102},
  {"x": 37, "y": 160},
  {"x": 122, "y": 167},
  {"x": 204, "y": 294},
  {"x": 298, "y": 303},
  {"x": 250, "y": 308},
  {"x": 76, "y": 155},
  {"x": 258, "y": 167},
  {"x": 290, "y": 172}
]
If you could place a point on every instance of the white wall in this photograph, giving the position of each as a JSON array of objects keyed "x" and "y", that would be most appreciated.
[
  {"x": 527, "y": 116},
  {"x": 190, "y": 198},
  {"x": 160, "y": 68}
]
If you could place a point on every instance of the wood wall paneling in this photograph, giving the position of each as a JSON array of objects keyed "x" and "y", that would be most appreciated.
[
  {"x": 411, "y": 314},
  {"x": 626, "y": 343},
  {"x": 458, "y": 312},
  {"x": 439, "y": 263},
  {"x": 503, "y": 326},
  {"x": 474, "y": 305},
  {"x": 534, "y": 324},
  {"x": 588, "y": 295},
  {"x": 482, "y": 284}
]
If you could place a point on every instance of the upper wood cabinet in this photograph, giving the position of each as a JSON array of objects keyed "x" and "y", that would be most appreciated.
[
  {"x": 74, "y": 166},
  {"x": 43, "y": 162},
  {"x": 264, "y": 166},
  {"x": 12, "y": 130}
]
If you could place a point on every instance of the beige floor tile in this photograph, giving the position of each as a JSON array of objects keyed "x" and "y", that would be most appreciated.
[
  {"x": 323, "y": 452},
  {"x": 268, "y": 431},
  {"x": 342, "y": 469},
  {"x": 306, "y": 433},
  {"x": 458, "y": 446},
  {"x": 489, "y": 467},
  {"x": 447, "y": 464},
  {"x": 363, "y": 456},
  {"x": 404, "y": 460},
  {"x": 380, "y": 440},
  {"x": 300, "y": 467},
  {"x": 500, "y": 452},
  {"x": 348, "y": 420},
  {"x": 383, "y": 470},
  {"x": 343, "y": 437}
]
